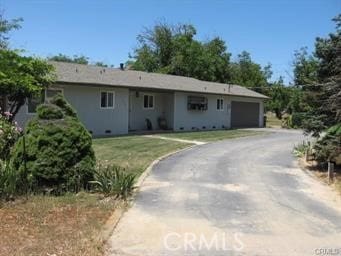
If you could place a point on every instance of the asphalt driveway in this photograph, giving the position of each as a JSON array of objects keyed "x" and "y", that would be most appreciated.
[{"x": 236, "y": 197}]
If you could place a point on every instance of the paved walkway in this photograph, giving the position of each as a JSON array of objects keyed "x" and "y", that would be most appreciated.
[{"x": 175, "y": 139}]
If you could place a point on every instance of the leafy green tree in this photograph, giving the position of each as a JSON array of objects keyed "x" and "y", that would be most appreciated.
[
  {"x": 22, "y": 77},
  {"x": 174, "y": 50},
  {"x": 279, "y": 98},
  {"x": 100, "y": 64},
  {"x": 81, "y": 59},
  {"x": 5, "y": 27},
  {"x": 325, "y": 108},
  {"x": 248, "y": 73},
  {"x": 305, "y": 68}
]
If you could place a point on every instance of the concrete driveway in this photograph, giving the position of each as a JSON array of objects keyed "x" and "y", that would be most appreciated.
[{"x": 236, "y": 197}]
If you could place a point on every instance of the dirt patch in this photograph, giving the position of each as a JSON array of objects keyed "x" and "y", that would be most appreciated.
[
  {"x": 322, "y": 174},
  {"x": 43, "y": 225}
]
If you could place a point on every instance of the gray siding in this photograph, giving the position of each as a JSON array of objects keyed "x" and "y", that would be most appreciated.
[
  {"x": 163, "y": 107},
  {"x": 188, "y": 119},
  {"x": 86, "y": 101},
  {"x": 173, "y": 106}
]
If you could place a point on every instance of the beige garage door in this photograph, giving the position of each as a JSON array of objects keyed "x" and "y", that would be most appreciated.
[{"x": 244, "y": 114}]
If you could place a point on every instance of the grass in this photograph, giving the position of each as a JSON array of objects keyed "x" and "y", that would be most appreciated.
[
  {"x": 71, "y": 224},
  {"x": 134, "y": 153},
  {"x": 208, "y": 136},
  {"x": 272, "y": 120},
  {"x": 45, "y": 225}
]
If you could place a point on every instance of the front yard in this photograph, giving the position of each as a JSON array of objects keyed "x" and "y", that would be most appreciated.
[
  {"x": 71, "y": 224},
  {"x": 134, "y": 153}
]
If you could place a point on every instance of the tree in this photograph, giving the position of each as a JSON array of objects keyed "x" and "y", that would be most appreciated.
[
  {"x": 100, "y": 64},
  {"x": 174, "y": 50},
  {"x": 279, "y": 98},
  {"x": 81, "y": 59},
  {"x": 305, "y": 67},
  {"x": 22, "y": 77},
  {"x": 5, "y": 27},
  {"x": 326, "y": 107},
  {"x": 248, "y": 73}
]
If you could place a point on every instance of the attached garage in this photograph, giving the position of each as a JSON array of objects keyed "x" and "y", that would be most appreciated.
[{"x": 244, "y": 114}]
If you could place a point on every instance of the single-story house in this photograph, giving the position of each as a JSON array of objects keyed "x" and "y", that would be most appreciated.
[{"x": 117, "y": 101}]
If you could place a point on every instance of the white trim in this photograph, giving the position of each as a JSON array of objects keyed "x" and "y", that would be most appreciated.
[
  {"x": 113, "y": 99},
  {"x": 219, "y": 109},
  {"x": 148, "y": 94}
]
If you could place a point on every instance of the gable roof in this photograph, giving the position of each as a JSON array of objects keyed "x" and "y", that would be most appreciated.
[{"x": 94, "y": 75}]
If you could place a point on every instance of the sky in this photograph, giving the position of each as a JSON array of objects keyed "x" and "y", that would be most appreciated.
[{"x": 106, "y": 30}]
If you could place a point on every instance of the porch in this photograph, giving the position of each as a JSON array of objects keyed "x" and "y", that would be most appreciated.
[{"x": 150, "y": 111}]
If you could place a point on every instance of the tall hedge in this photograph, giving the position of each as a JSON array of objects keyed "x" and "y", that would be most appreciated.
[{"x": 56, "y": 151}]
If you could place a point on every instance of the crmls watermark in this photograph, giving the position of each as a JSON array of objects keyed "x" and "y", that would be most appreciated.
[
  {"x": 217, "y": 241},
  {"x": 327, "y": 251}
]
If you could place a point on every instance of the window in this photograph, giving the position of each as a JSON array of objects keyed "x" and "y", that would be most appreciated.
[
  {"x": 220, "y": 104},
  {"x": 197, "y": 103},
  {"x": 50, "y": 93},
  {"x": 107, "y": 99},
  {"x": 34, "y": 101},
  {"x": 148, "y": 101}
]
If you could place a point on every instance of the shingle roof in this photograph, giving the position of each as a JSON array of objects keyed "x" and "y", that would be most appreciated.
[{"x": 87, "y": 74}]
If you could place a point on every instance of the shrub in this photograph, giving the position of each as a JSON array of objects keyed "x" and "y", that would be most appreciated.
[
  {"x": 300, "y": 149},
  {"x": 8, "y": 181},
  {"x": 59, "y": 101},
  {"x": 328, "y": 147},
  {"x": 54, "y": 154},
  {"x": 297, "y": 119},
  {"x": 49, "y": 112},
  {"x": 114, "y": 181},
  {"x": 9, "y": 133}
]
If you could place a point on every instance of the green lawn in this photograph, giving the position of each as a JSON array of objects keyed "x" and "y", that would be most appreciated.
[
  {"x": 136, "y": 152},
  {"x": 133, "y": 152},
  {"x": 207, "y": 136}
]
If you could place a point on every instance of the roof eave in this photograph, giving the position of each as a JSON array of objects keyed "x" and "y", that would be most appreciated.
[{"x": 159, "y": 89}]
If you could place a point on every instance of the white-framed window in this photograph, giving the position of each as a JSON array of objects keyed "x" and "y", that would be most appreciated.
[
  {"x": 48, "y": 94},
  {"x": 33, "y": 102},
  {"x": 220, "y": 104},
  {"x": 148, "y": 101},
  {"x": 107, "y": 99}
]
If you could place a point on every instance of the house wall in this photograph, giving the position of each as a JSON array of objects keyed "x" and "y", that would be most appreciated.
[
  {"x": 129, "y": 111},
  {"x": 163, "y": 107},
  {"x": 86, "y": 101},
  {"x": 195, "y": 119}
]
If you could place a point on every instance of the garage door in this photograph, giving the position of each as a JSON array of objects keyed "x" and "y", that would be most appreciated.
[{"x": 244, "y": 114}]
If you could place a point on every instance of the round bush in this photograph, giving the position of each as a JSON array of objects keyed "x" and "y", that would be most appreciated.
[
  {"x": 49, "y": 111},
  {"x": 58, "y": 152}
]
